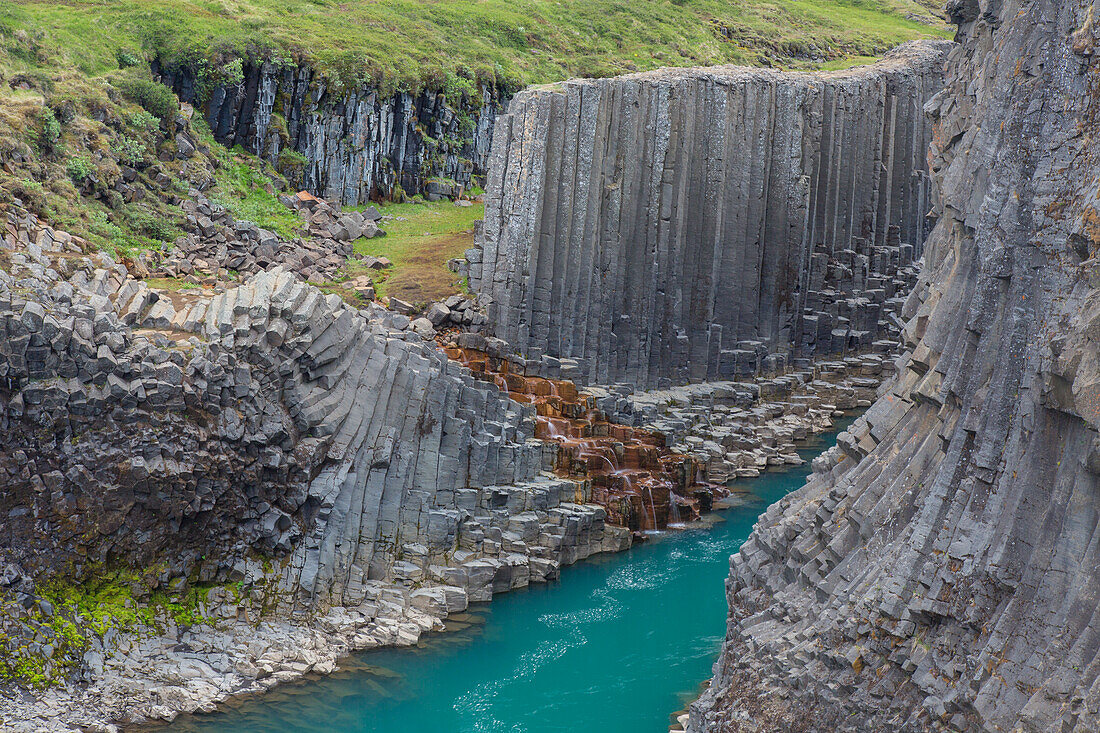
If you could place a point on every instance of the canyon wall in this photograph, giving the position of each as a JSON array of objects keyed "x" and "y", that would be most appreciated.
[
  {"x": 194, "y": 433},
  {"x": 358, "y": 144},
  {"x": 680, "y": 225},
  {"x": 939, "y": 569}
]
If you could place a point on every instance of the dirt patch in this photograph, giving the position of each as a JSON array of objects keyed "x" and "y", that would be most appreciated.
[{"x": 421, "y": 276}]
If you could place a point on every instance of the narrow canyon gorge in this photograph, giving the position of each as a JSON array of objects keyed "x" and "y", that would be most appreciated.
[{"x": 682, "y": 275}]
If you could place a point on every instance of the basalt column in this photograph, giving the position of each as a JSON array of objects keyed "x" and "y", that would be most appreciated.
[
  {"x": 939, "y": 571},
  {"x": 683, "y": 223}
]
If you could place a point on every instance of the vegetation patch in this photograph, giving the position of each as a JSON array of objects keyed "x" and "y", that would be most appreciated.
[
  {"x": 244, "y": 187},
  {"x": 96, "y": 154},
  {"x": 456, "y": 45},
  {"x": 419, "y": 240},
  {"x": 111, "y": 601},
  {"x": 46, "y": 642},
  {"x": 171, "y": 284}
]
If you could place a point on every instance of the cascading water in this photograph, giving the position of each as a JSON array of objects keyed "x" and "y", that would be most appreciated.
[
  {"x": 653, "y": 505},
  {"x": 674, "y": 513},
  {"x": 616, "y": 460}
]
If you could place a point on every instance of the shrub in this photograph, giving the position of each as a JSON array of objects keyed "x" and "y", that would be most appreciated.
[
  {"x": 111, "y": 235},
  {"x": 291, "y": 160},
  {"x": 232, "y": 74},
  {"x": 150, "y": 225},
  {"x": 130, "y": 151},
  {"x": 51, "y": 129},
  {"x": 292, "y": 165},
  {"x": 144, "y": 121},
  {"x": 278, "y": 126},
  {"x": 126, "y": 59},
  {"x": 79, "y": 168},
  {"x": 157, "y": 99}
]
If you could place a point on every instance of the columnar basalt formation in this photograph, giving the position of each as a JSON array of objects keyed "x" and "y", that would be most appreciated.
[
  {"x": 630, "y": 472},
  {"x": 357, "y": 144},
  {"x": 303, "y": 457},
  {"x": 285, "y": 407},
  {"x": 939, "y": 569},
  {"x": 701, "y": 224}
]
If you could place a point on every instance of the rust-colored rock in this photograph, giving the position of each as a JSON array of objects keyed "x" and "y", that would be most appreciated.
[{"x": 642, "y": 484}]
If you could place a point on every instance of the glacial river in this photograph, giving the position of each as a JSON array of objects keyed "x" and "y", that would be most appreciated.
[{"x": 619, "y": 643}]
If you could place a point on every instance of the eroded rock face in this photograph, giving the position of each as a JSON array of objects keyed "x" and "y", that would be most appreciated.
[
  {"x": 686, "y": 225},
  {"x": 356, "y": 144},
  {"x": 939, "y": 569},
  {"x": 630, "y": 472},
  {"x": 271, "y": 418}
]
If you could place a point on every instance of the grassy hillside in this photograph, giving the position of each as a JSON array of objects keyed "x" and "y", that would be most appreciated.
[
  {"x": 89, "y": 142},
  {"x": 454, "y": 44},
  {"x": 97, "y": 156}
]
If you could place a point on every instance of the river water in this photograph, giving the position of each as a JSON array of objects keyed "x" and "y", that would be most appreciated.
[{"x": 618, "y": 644}]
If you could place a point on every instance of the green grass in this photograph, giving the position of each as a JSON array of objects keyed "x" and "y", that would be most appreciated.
[
  {"x": 847, "y": 63},
  {"x": 419, "y": 248},
  {"x": 241, "y": 191},
  {"x": 171, "y": 284},
  {"x": 67, "y": 141},
  {"x": 453, "y": 45}
]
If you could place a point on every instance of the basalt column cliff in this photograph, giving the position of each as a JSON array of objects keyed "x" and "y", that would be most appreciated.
[
  {"x": 939, "y": 570},
  {"x": 689, "y": 224}
]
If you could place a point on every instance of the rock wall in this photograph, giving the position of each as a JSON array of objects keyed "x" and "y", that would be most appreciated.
[
  {"x": 140, "y": 426},
  {"x": 209, "y": 491},
  {"x": 358, "y": 144},
  {"x": 939, "y": 569},
  {"x": 681, "y": 224}
]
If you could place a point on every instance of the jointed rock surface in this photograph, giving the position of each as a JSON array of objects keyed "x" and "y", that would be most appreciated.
[
  {"x": 939, "y": 570},
  {"x": 685, "y": 225},
  {"x": 728, "y": 252}
]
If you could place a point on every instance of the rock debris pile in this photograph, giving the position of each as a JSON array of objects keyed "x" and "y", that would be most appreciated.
[
  {"x": 219, "y": 244},
  {"x": 739, "y": 429}
]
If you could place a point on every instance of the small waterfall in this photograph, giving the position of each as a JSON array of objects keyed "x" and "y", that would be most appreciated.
[
  {"x": 631, "y": 457},
  {"x": 652, "y": 506},
  {"x": 673, "y": 510}
]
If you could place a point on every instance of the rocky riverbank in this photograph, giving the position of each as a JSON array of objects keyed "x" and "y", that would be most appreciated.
[{"x": 184, "y": 412}]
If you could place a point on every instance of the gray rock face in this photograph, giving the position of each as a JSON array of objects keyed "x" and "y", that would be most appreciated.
[
  {"x": 680, "y": 224},
  {"x": 270, "y": 418},
  {"x": 340, "y": 483},
  {"x": 356, "y": 143},
  {"x": 939, "y": 570}
]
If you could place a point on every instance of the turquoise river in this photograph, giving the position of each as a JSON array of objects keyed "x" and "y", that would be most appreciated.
[{"x": 619, "y": 643}]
